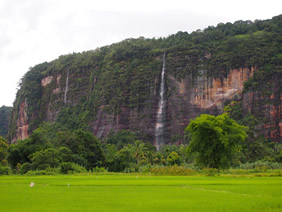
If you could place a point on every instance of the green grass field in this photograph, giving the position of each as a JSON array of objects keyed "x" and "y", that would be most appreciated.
[{"x": 140, "y": 193}]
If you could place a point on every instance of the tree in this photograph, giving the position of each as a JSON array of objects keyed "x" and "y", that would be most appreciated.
[
  {"x": 21, "y": 152},
  {"x": 45, "y": 158},
  {"x": 123, "y": 159},
  {"x": 86, "y": 148},
  {"x": 110, "y": 151},
  {"x": 66, "y": 154},
  {"x": 3, "y": 151},
  {"x": 121, "y": 138},
  {"x": 216, "y": 140},
  {"x": 138, "y": 150}
]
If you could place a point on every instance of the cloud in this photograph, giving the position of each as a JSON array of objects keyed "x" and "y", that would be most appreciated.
[{"x": 34, "y": 31}]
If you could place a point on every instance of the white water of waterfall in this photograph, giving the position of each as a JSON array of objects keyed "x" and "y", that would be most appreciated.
[
  {"x": 159, "y": 129},
  {"x": 67, "y": 87}
]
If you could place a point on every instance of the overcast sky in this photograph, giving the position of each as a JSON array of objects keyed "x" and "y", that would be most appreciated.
[{"x": 35, "y": 31}]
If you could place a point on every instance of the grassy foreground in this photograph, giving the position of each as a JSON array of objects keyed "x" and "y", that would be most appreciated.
[{"x": 140, "y": 193}]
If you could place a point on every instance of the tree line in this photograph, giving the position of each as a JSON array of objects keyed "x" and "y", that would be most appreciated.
[{"x": 214, "y": 142}]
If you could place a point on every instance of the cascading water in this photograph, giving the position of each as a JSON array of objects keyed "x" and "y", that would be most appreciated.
[
  {"x": 67, "y": 87},
  {"x": 159, "y": 129}
]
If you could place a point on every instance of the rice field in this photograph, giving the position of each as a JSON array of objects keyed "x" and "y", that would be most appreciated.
[{"x": 123, "y": 192}]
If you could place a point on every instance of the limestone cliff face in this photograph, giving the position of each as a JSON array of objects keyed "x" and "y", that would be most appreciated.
[
  {"x": 191, "y": 97},
  {"x": 143, "y": 121},
  {"x": 186, "y": 99},
  {"x": 22, "y": 122},
  {"x": 268, "y": 108}
]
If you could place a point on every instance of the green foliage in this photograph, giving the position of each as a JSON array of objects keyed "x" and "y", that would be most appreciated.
[
  {"x": 25, "y": 168},
  {"x": 261, "y": 165},
  {"x": 167, "y": 149},
  {"x": 123, "y": 160},
  {"x": 99, "y": 170},
  {"x": 42, "y": 172},
  {"x": 4, "y": 170},
  {"x": 73, "y": 118},
  {"x": 256, "y": 147},
  {"x": 215, "y": 140},
  {"x": 46, "y": 158},
  {"x": 85, "y": 147},
  {"x": 210, "y": 171},
  {"x": 121, "y": 138},
  {"x": 138, "y": 150},
  {"x": 130, "y": 158},
  {"x": 48, "y": 147},
  {"x": 173, "y": 159},
  {"x": 3, "y": 151},
  {"x": 66, "y": 167},
  {"x": 71, "y": 168},
  {"x": 172, "y": 171},
  {"x": 21, "y": 152},
  {"x": 110, "y": 151},
  {"x": 66, "y": 154}
]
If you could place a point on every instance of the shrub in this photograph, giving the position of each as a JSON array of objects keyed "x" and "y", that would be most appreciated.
[
  {"x": 3, "y": 151},
  {"x": 70, "y": 168},
  {"x": 261, "y": 165},
  {"x": 173, "y": 158},
  {"x": 144, "y": 168},
  {"x": 210, "y": 171},
  {"x": 99, "y": 169},
  {"x": 4, "y": 170},
  {"x": 78, "y": 169},
  {"x": 172, "y": 170},
  {"x": 66, "y": 167},
  {"x": 25, "y": 168},
  {"x": 40, "y": 172}
]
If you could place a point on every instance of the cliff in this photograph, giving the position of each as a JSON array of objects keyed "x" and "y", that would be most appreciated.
[
  {"x": 5, "y": 113},
  {"x": 117, "y": 87}
]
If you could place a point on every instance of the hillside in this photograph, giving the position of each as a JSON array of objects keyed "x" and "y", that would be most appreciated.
[{"x": 118, "y": 86}]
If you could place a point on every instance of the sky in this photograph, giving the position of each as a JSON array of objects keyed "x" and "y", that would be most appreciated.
[{"x": 35, "y": 31}]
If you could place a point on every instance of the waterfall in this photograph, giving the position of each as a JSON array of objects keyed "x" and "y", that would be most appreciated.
[
  {"x": 159, "y": 128},
  {"x": 67, "y": 87}
]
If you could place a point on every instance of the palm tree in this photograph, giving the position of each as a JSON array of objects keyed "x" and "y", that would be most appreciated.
[{"x": 138, "y": 150}]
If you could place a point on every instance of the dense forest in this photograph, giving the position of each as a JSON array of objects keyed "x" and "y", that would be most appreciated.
[{"x": 112, "y": 92}]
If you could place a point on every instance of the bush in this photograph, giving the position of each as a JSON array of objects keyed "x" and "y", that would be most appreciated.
[
  {"x": 40, "y": 172},
  {"x": 25, "y": 168},
  {"x": 70, "y": 168},
  {"x": 99, "y": 169},
  {"x": 210, "y": 171},
  {"x": 172, "y": 170},
  {"x": 261, "y": 165},
  {"x": 278, "y": 157},
  {"x": 173, "y": 158},
  {"x": 144, "y": 168},
  {"x": 66, "y": 167},
  {"x": 4, "y": 170}
]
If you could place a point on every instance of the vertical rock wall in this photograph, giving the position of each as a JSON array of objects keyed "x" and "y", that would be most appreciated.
[
  {"x": 22, "y": 123},
  {"x": 186, "y": 99}
]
